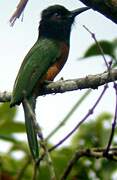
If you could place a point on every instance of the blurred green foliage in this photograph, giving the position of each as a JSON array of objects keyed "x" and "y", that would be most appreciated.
[
  {"x": 7, "y": 124},
  {"x": 95, "y": 133}
]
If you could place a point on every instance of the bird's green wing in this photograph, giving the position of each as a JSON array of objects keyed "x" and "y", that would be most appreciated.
[{"x": 41, "y": 56}]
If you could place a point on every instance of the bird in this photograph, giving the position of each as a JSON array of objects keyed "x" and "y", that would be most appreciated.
[{"x": 43, "y": 62}]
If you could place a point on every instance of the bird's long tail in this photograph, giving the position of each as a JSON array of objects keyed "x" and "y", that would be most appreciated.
[{"x": 29, "y": 108}]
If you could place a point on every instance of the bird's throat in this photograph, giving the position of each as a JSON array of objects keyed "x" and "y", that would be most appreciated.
[{"x": 55, "y": 31}]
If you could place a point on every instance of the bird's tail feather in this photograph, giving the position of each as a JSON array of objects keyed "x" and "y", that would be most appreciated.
[{"x": 30, "y": 129}]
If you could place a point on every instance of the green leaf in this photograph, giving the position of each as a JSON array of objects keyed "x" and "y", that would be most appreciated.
[
  {"x": 7, "y": 113},
  {"x": 12, "y": 127},
  {"x": 115, "y": 52},
  {"x": 108, "y": 47},
  {"x": 8, "y": 138},
  {"x": 7, "y": 123}
]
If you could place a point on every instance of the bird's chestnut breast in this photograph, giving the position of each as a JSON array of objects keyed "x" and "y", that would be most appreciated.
[{"x": 60, "y": 62}]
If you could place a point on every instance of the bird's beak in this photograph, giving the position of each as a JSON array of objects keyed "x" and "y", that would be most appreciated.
[{"x": 76, "y": 12}]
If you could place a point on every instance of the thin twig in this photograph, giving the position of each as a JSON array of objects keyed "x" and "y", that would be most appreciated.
[
  {"x": 113, "y": 124},
  {"x": 48, "y": 159},
  {"x": 23, "y": 168},
  {"x": 88, "y": 153},
  {"x": 34, "y": 177},
  {"x": 63, "y": 122},
  {"x": 115, "y": 87},
  {"x": 98, "y": 46},
  {"x": 90, "y": 112}
]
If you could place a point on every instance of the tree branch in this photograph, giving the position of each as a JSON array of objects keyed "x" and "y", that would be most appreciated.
[
  {"x": 106, "y": 7},
  {"x": 61, "y": 86},
  {"x": 113, "y": 125},
  {"x": 20, "y": 8},
  {"x": 95, "y": 153},
  {"x": 5, "y": 96},
  {"x": 90, "y": 81}
]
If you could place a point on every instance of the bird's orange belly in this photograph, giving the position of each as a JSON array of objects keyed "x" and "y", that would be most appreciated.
[
  {"x": 60, "y": 62},
  {"x": 54, "y": 69}
]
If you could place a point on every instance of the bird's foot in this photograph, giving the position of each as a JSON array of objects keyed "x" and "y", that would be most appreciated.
[{"x": 46, "y": 82}]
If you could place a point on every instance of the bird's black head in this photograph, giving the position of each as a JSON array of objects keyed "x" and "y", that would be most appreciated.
[{"x": 56, "y": 22}]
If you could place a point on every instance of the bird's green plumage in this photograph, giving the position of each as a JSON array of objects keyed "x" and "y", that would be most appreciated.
[
  {"x": 42, "y": 55},
  {"x": 30, "y": 127},
  {"x": 52, "y": 46}
]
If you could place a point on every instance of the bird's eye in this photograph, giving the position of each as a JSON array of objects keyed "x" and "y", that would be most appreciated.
[{"x": 57, "y": 15}]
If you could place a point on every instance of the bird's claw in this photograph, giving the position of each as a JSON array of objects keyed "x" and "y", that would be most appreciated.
[{"x": 46, "y": 82}]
